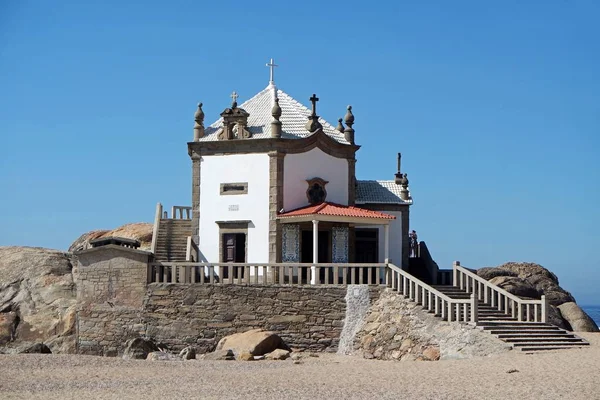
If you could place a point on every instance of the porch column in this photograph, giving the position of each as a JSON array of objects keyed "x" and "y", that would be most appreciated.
[
  {"x": 386, "y": 236},
  {"x": 313, "y": 269}
]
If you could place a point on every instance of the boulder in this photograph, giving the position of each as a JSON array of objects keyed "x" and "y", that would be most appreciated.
[
  {"x": 141, "y": 231},
  {"x": 219, "y": 355},
  {"x": 188, "y": 353},
  {"x": 256, "y": 342},
  {"x": 246, "y": 356},
  {"x": 577, "y": 318},
  {"x": 537, "y": 278},
  {"x": 515, "y": 285},
  {"x": 37, "y": 297},
  {"x": 139, "y": 348},
  {"x": 278, "y": 354},
  {"x": 490, "y": 272},
  {"x": 431, "y": 353},
  {"x": 36, "y": 348},
  {"x": 162, "y": 356}
]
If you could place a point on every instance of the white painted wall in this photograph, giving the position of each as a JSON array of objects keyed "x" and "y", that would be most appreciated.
[
  {"x": 254, "y": 206},
  {"x": 395, "y": 238},
  {"x": 297, "y": 168}
]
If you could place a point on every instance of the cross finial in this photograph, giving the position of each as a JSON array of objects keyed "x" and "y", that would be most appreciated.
[
  {"x": 272, "y": 66},
  {"x": 234, "y": 96},
  {"x": 314, "y": 100}
]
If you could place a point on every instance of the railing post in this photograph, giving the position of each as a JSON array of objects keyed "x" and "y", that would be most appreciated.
[
  {"x": 474, "y": 310},
  {"x": 455, "y": 273},
  {"x": 156, "y": 226},
  {"x": 544, "y": 308},
  {"x": 520, "y": 312}
]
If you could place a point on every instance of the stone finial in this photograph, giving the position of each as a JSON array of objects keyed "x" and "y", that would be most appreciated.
[
  {"x": 349, "y": 119},
  {"x": 398, "y": 179},
  {"x": 404, "y": 193},
  {"x": 313, "y": 124},
  {"x": 199, "y": 123},
  {"x": 276, "y": 123},
  {"x": 340, "y": 126}
]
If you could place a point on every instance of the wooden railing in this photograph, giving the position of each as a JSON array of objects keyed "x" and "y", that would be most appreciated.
[
  {"x": 259, "y": 274},
  {"x": 462, "y": 310},
  {"x": 523, "y": 310}
]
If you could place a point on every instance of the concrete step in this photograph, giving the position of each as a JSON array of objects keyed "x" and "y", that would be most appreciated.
[
  {"x": 546, "y": 348},
  {"x": 517, "y": 324},
  {"x": 524, "y": 332},
  {"x": 545, "y": 339},
  {"x": 551, "y": 343}
]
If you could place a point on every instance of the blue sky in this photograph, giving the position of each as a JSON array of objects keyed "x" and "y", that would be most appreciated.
[{"x": 495, "y": 108}]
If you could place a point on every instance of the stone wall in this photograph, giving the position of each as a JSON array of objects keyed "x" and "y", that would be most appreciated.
[
  {"x": 111, "y": 287},
  {"x": 112, "y": 310}
]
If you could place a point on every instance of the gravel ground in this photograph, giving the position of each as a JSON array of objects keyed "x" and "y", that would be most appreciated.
[{"x": 566, "y": 374}]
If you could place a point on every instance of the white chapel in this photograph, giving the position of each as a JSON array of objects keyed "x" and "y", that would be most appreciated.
[{"x": 273, "y": 182}]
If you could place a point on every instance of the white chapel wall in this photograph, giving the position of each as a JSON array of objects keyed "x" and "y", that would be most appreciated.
[
  {"x": 395, "y": 238},
  {"x": 254, "y": 206},
  {"x": 297, "y": 168}
]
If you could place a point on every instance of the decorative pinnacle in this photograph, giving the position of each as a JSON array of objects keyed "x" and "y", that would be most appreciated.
[
  {"x": 234, "y": 96},
  {"x": 349, "y": 117},
  {"x": 340, "y": 126},
  {"x": 276, "y": 110},
  {"x": 314, "y": 100},
  {"x": 272, "y": 66},
  {"x": 313, "y": 120},
  {"x": 199, "y": 115}
]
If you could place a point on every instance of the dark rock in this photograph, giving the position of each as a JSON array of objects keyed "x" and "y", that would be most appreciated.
[
  {"x": 489, "y": 272},
  {"x": 188, "y": 353},
  {"x": 139, "y": 348},
  {"x": 36, "y": 348},
  {"x": 515, "y": 285}
]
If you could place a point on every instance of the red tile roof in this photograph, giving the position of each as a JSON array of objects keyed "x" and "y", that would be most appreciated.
[{"x": 337, "y": 210}]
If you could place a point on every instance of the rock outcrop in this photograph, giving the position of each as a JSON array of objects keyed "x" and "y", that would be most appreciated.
[
  {"x": 398, "y": 329},
  {"x": 141, "y": 231},
  {"x": 577, "y": 318},
  {"x": 529, "y": 280},
  {"x": 37, "y": 298}
]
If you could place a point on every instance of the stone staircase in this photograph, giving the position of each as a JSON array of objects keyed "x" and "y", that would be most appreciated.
[
  {"x": 525, "y": 336},
  {"x": 171, "y": 240}
]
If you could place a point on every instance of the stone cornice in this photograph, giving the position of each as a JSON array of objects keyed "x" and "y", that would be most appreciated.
[{"x": 290, "y": 146}]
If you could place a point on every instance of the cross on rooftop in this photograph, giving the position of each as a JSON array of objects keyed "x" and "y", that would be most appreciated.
[
  {"x": 272, "y": 66},
  {"x": 234, "y": 96},
  {"x": 314, "y": 100}
]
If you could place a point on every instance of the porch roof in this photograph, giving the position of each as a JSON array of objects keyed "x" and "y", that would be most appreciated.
[{"x": 335, "y": 213}]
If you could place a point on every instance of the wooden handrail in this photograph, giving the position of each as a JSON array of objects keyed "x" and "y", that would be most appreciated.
[
  {"x": 423, "y": 284},
  {"x": 497, "y": 293},
  {"x": 432, "y": 299},
  {"x": 487, "y": 283}
]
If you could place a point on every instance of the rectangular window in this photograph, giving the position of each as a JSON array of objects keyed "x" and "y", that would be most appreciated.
[{"x": 234, "y": 188}]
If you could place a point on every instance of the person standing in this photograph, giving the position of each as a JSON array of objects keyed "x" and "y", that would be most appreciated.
[{"x": 413, "y": 241}]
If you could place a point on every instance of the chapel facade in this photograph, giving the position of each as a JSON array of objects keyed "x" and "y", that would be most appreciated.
[{"x": 274, "y": 182}]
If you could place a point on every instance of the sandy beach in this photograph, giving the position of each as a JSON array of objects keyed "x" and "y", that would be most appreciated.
[{"x": 566, "y": 374}]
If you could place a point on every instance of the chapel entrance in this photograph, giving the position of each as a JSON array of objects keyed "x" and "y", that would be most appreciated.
[
  {"x": 367, "y": 246},
  {"x": 234, "y": 251},
  {"x": 323, "y": 252}
]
